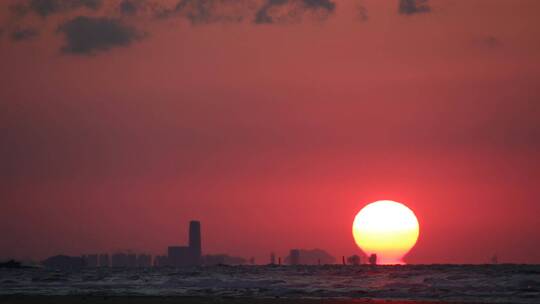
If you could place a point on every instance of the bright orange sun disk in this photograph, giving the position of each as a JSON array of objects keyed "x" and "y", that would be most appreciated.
[{"x": 386, "y": 228}]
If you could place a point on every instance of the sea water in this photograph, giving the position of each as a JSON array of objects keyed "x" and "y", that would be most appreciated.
[{"x": 464, "y": 283}]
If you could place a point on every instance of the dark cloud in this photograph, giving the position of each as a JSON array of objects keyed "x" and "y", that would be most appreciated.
[
  {"x": 211, "y": 11},
  {"x": 273, "y": 11},
  {"x": 144, "y": 7},
  {"x": 19, "y": 9},
  {"x": 24, "y": 34},
  {"x": 195, "y": 11},
  {"x": 262, "y": 15},
  {"x": 491, "y": 42},
  {"x": 87, "y": 35},
  {"x": 326, "y": 4},
  {"x": 362, "y": 12},
  {"x": 129, "y": 7},
  {"x": 48, "y": 7},
  {"x": 411, "y": 7}
]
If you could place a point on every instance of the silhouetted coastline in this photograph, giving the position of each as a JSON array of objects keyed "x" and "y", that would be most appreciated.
[{"x": 178, "y": 256}]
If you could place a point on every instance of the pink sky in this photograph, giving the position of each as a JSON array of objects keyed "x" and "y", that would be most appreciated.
[{"x": 273, "y": 135}]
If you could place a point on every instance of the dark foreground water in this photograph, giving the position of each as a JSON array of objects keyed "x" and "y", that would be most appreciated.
[{"x": 463, "y": 283}]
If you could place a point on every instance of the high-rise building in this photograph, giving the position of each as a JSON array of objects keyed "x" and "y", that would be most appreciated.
[
  {"x": 195, "y": 241},
  {"x": 272, "y": 258},
  {"x": 181, "y": 256}
]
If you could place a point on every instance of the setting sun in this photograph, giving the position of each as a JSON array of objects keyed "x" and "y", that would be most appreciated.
[{"x": 386, "y": 228}]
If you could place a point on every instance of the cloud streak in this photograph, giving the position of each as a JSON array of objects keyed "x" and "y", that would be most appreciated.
[
  {"x": 411, "y": 7},
  {"x": 275, "y": 11},
  {"x": 91, "y": 34},
  {"x": 491, "y": 42},
  {"x": 88, "y": 35},
  {"x": 45, "y": 8},
  {"x": 24, "y": 34},
  {"x": 362, "y": 12},
  {"x": 212, "y": 11},
  {"x": 129, "y": 7}
]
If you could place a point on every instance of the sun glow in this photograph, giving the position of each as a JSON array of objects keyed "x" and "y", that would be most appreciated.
[{"x": 386, "y": 228}]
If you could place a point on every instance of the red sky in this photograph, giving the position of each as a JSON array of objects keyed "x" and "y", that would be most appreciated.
[{"x": 273, "y": 135}]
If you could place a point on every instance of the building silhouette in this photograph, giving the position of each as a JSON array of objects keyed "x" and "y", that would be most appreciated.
[
  {"x": 64, "y": 262},
  {"x": 309, "y": 257},
  {"x": 131, "y": 260},
  {"x": 195, "y": 240},
  {"x": 90, "y": 260},
  {"x": 183, "y": 256},
  {"x": 294, "y": 257},
  {"x": 354, "y": 260},
  {"x": 161, "y": 261},
  {"x": 144, "y": 261},
  {"x": 119, "y": 260},
  {"x": 104, "y": 260},
  {"x": 373, "y": 259},
  {"x": 177, "y": 256},
  {"x": 221, "y": 259},
  {"x": 180, "y": 256}
]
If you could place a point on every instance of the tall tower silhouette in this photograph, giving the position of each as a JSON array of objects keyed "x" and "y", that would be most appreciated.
[{"x": 195, "y": 240}]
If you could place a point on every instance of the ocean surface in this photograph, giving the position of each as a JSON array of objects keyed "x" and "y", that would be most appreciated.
[{"x": 464, "y": 283}]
